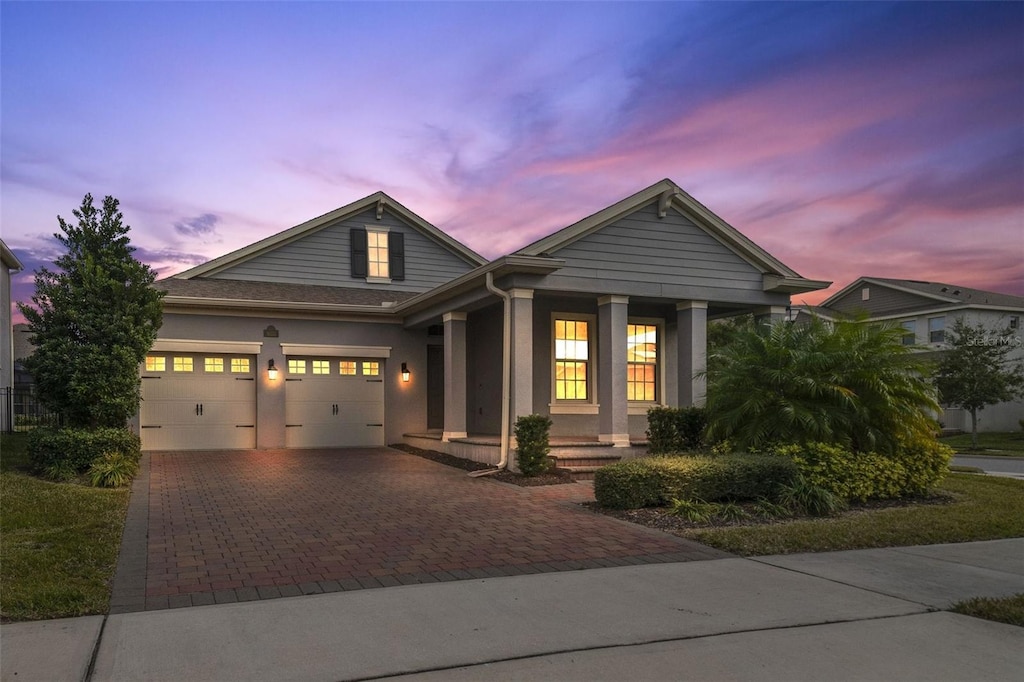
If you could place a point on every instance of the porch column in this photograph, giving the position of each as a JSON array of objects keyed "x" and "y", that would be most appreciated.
[
  {"x": 770, "y": 314},
  {"x": 522, "y": 354},
  {"x": 613, "y": 420},
  {"x": 454, "y": 376},
  {"x": 692, "y": 349}
]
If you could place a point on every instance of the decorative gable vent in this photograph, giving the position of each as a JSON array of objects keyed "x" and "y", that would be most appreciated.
[{"x": 865, "y": 294}]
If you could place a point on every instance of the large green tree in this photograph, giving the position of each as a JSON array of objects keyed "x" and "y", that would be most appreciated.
[
  {"x": 93, "y": 319},
  {"x": 977, "y": 371},
  {"x": 849, "y": 383}
]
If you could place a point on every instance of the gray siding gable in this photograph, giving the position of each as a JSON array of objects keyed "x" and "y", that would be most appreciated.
[
  {"x": 672, "y": 252},
  {"x": 881, "y": 300},
  {"x": 322, "y": 258}
]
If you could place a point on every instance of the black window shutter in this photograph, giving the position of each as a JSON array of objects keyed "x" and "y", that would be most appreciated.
[
  {"x": 396, "y": 255},
  {"x": 357, "y": 236}
]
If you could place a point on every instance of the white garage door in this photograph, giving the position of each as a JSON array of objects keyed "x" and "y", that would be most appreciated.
[
  {"x": 334, "y": 402},
  {"x": 198, "y": 401}
]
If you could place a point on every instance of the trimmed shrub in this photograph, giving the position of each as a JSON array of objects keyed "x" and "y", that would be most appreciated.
[
  {"x": 675, "y": 429},
  {"x": 532, "y": 444},
  {"x": 803, "y": 497},
  {"x": 65, "y": 453},
  {"x": 113, "y": 470},
  {"x": 654, "y": 481},
  {"x": 914, "y": 467}
]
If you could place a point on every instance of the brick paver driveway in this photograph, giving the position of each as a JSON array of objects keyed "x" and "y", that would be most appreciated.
[{"x": 230, "y": 526}]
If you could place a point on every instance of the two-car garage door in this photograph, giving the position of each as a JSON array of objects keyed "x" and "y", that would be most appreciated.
[{"x": 207, "y": 401}]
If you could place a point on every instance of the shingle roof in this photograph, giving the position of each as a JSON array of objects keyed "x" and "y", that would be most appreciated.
[
  {"x": 241, "y": 290},
  {"x": 954, "y": 292}
]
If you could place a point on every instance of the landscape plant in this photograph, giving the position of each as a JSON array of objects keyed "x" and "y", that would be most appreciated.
[
  {"x": 675, "y": 429},
  {"x": 847, "y": 383},
  {"x": 532, "y": 444},
  {"x": 92, "y": 320}
]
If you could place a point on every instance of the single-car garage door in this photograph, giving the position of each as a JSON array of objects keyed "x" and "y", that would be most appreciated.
[
  {"x": 334, "y": 402},
  {"x": 198, "y": 401}
]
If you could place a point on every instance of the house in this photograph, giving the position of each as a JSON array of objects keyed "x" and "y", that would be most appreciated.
[
  {"x": 8, "y": 263},
  {"x": 925, "y": 311},
  {"x": 368, "y": 325}
]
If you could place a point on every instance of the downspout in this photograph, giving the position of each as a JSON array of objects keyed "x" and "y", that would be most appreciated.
[{"x": 506, "y": 379}]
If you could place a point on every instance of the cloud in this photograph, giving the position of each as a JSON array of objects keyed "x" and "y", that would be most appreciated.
[{"x": 200, "y": 226}]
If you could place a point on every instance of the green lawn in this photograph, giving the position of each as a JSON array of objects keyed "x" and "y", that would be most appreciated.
[
  {"x": 1006, "y": 444},
  {"x": 987, "y": 508},
  {"x": 58, "y": 542}
]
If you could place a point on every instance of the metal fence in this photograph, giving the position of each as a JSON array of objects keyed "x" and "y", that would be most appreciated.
[{"x": 21, "y": 410}]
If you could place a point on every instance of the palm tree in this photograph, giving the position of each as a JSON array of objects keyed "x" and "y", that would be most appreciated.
[{"x": 849, "y": 383}]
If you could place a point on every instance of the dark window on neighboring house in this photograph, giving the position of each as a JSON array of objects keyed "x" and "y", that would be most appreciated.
[
  {"x": 909, "y": 332},
  {"x": 377, "y": 254},
  {"x": 936, "y": 329},
  {"x": 1014, "y": 322}
]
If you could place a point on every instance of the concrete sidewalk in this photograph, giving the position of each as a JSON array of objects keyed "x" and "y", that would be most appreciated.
[{"x": 843, "y": 615}]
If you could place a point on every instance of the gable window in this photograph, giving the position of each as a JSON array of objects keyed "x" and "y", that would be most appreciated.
[
  {"x": 347, "y": 367},
  {"x": 865, "y": 294},
  {"x": 936, "y": 329},
  {"x": 909, "y": 332},
  {"x": 156, "y": 363},
  {"x": 572, "y": 359},
  {"x": 377, "y": 254},
  {"x": 213, "y": 365},
  {"x": 296, "y": 366},
  {"x": 240, "y": 365},
  {"x": 641, "y": 362},
  {"x": 183, "y": 364}
]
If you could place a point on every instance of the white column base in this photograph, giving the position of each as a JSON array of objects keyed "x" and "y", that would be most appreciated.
[{"x": 618, "y": 440}]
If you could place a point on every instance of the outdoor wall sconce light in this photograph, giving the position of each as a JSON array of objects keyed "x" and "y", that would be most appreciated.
[
  {"x": 405, "y": 372},
  {"x": 271, "y": 370}
]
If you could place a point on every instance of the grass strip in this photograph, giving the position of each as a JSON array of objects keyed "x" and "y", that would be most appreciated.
[
  {"x": 1000, "y": 609},
  {"x": 986, "y": 508}
]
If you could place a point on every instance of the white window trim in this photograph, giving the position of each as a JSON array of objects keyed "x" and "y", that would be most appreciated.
[
  {"x": 379, "y": 230},
  {"x": 943, "y": 330},
  {"x": 588, "y": 406},
  {"x": 641, "y": 406}
]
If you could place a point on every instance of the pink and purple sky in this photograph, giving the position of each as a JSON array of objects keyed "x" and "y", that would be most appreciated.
[{"x": 845, "y": 138}]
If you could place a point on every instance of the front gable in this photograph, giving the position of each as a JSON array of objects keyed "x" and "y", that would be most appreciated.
[
  {"x": 662, "y": 242},
  {"x": 333, "y": 251}
]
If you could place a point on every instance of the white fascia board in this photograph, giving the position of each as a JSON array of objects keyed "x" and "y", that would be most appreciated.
[{"x": 206, "y": 346}]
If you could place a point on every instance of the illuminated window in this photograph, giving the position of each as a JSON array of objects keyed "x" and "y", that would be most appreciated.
[
  {"x": 641, "y": 362},
  {"x": 240, "y": 365},
  {"x": 377, "y": 253},
  {"x": 347, "y": 367},
  {"x": 156, "y": 363},
  {"x": 572, "y": 359},
  {"x": 214, "y": 365},
  {"x": 909, "y": 332},
  {"x": 936, "y": 329},
  {"x": 296, "y": 366},
  {"x": 371, "y": 369},
  {"x": 182, "y": 364},
  {"x": 321, "y": 367}
]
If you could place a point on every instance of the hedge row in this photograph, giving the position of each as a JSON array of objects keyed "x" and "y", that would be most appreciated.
[
  {"x": 654, "y": 481},
  {"x": 915, "y": 467},
  {"x": 57, "y": 452},
  {"x": 675, "y": 429}
]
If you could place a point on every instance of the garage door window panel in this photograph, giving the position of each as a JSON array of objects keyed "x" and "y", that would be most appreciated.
[{"x": 182, "y": 364}]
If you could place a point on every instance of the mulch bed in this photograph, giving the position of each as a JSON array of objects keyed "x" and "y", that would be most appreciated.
[
  {"x": 556, "y": 477},
  {"x": 660, "y": 518}
]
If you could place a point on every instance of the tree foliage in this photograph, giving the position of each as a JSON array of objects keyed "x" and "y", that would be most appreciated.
[
  {"x": 92, "y": 320},
  {"x": 977, "y": 371},
  {"x": 850, "y": 383}
]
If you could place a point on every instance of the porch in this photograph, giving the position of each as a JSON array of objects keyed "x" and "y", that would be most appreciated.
[{"x": 582, "y": 455}]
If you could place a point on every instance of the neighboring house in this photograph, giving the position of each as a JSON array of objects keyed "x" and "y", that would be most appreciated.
[
  {"x": 925, "y": 311},
  {"x": 8, "y": 263},
  {"x": 368, "y": 326}
]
